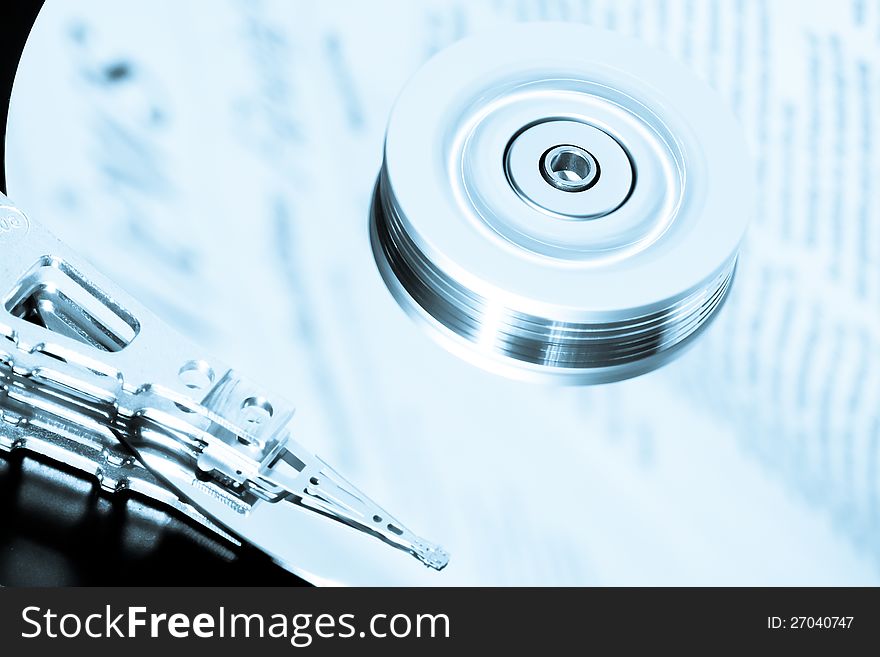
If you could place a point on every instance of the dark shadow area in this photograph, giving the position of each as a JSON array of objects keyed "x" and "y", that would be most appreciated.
[
  {"x": 18, "y": 18},
  {"x": 58, "y": 528}
]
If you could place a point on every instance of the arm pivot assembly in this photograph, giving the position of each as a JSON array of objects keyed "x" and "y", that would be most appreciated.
[{"x": 92, "y": 379}]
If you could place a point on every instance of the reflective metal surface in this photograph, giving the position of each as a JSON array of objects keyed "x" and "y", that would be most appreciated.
[
  {"x": 560, "y": 213},
  {"x": 93, "y": 380},
  {"x": 677, "y": 477}
]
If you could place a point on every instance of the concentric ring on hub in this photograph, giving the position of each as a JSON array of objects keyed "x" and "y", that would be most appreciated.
[
  {"x": 601, "y": 274},
  {"x": 608, "y": 171}
]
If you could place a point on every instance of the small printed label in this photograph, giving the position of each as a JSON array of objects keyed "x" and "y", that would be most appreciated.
[{"x": 12, "y": 222}]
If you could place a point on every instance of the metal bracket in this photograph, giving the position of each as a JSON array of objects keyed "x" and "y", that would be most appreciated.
[{"x": 92, "y": 379}]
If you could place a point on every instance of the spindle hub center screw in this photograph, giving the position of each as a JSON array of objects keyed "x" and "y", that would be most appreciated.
[{"x": 569, "y": 168}]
